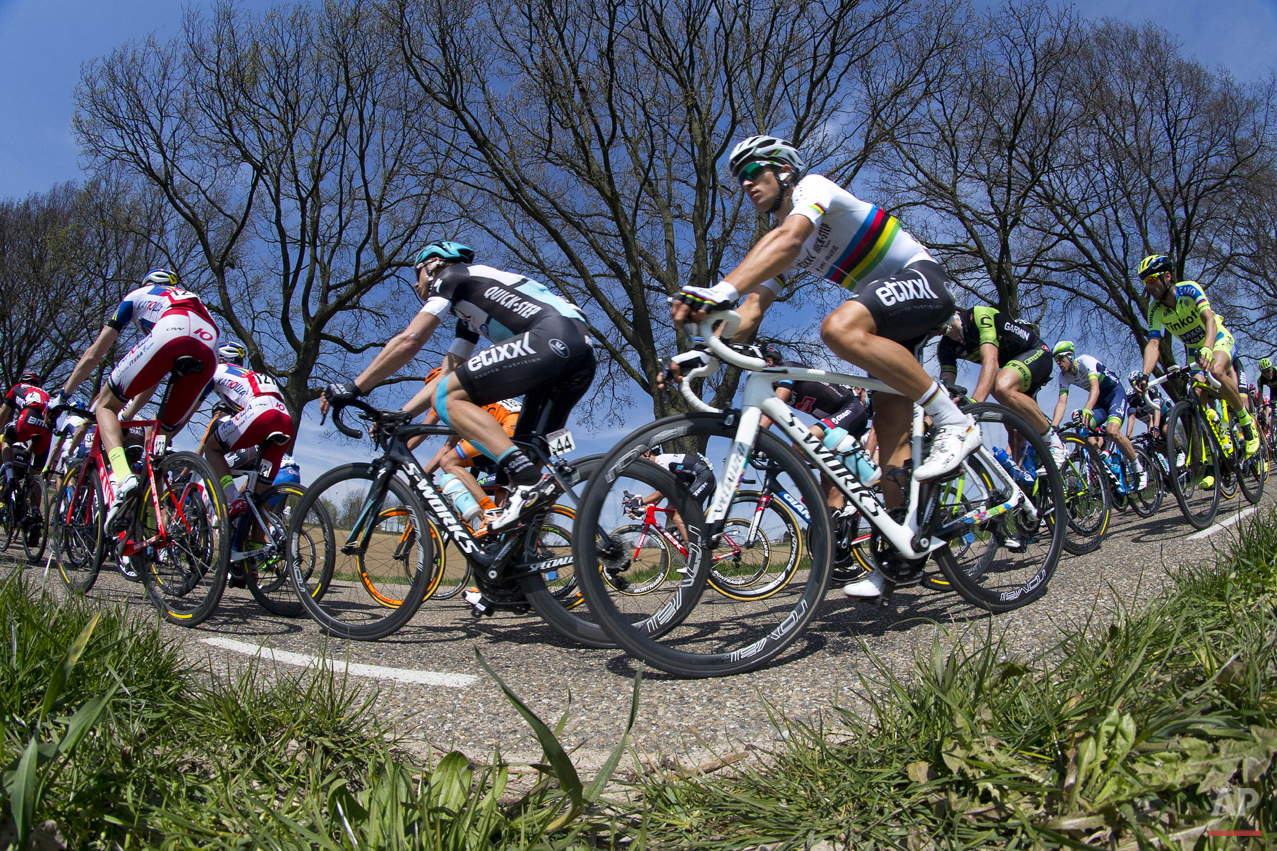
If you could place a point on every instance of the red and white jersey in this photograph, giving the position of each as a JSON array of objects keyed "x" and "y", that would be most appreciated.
[
  {"x": 22, "y": 396},
  {"x": 238, "y": 386},
  {"x": 145, "y": 305}
]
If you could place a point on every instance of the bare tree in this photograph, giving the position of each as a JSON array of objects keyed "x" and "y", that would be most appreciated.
[
  {"x": 972, "y": 160},
  {"x": 596, "y": 132},
  {"x": 300, "y": 162},
  {"x": 1156, "y": 168}
]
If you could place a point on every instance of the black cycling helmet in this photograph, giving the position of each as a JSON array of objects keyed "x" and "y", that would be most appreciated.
[
  {"x": 29, "y": 377},
  {"x": 772, "y": 353}
]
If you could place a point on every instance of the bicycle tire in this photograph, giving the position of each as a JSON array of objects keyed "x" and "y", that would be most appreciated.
[
  {"x": 345, "y": 608},
  {"x": 33, "y": 519},
  {"x": 1022, "y": 573},
  {"x": 1148, "y": 500},
  {"x": 1192, "y": 455},
  {"x": 186, "y": 576},
  {"x": 385, "y": 587},
  {"x": 451, "y": 565},
  {"x": 75, "y": 515},
  {"x": 12, "y": 521},
  {"x": 778, "y": 533},
  {"x": 1088, "y": 499},
  {"x": 310, "y": 552},
  {"x": 688, "y": 629},
  {"x": 1250, "y": 472}
]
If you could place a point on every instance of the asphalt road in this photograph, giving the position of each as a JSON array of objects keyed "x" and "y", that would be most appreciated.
[{"x": 693, "y": 721}]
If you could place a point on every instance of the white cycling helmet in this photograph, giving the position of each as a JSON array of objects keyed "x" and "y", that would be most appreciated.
[
  {"x": 768, "y": 149},
  {"x": 160, "y": 277},
  {"x": 232, "y": 353}
]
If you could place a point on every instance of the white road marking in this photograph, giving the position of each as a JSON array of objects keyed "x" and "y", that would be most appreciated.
[
  {"x": 400, "y": 675},
  {"x": 1224, "y": 525}
]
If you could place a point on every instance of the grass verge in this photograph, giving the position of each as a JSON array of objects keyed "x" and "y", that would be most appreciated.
[{"x": 1152, "y": 733}]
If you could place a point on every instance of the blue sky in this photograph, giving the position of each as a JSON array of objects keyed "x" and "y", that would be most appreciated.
[{"x": 44, "y": 42}]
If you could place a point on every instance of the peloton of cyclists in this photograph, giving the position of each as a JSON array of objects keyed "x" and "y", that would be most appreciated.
[
  {"x": 1106, "y": 402},
  {"x": 176, "y": 325},
  {"x": 1183, "y": 309},
  {"x": 541, "y": 350},
  {"x": 898, "y": 296}
]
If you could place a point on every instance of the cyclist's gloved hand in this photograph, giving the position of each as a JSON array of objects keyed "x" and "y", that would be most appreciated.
[
  {"x": 342, "y": 393},
  {"x": 721, "y": 296},
  {"x": 633, "y": 504},
  {"x": 681, "y": 364},
  {"x": 1141, "y": 382}
]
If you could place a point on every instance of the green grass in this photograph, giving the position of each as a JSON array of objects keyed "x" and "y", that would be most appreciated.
[{"x": 1119, "y": 737}]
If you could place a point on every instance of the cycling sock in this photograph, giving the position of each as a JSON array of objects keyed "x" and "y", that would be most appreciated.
[
  {"x": 119, "y": 463},
  {"x": 941, "y": 408},
  {"x": 518, "y": 468},
  {"x": 487, "y": 504}
]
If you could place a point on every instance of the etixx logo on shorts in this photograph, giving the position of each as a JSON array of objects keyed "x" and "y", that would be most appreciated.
[
  {"x": 515, "y": 348},
  {"x": 559, "y": 347}
]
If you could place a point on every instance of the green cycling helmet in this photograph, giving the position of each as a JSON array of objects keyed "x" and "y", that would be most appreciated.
[
  {"x": 1154, "y": 264},
  {"x": 1265, "y": 364},
  {"x": 1064, "y": 347}
]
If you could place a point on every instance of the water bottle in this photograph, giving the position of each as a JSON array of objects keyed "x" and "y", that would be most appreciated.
[
  {"x": 853, "y": 455},
  {"x": 1005, "y": 459},
  {"x": 1030, "y": 464},
  {"x": 1225, "y": 439},
  {"x": 460, "y": 496}
]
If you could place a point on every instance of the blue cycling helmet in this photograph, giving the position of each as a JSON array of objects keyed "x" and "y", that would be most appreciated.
[{"x": 452, "y": 252}]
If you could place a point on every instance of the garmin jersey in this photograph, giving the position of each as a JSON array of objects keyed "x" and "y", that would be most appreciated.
[
  {"x": 1087, "y": 367},
  {"x": 982, "y": 325},
  {"x": 854, "y": 241},
  {"x": 813, "y": 397},
  {"x": 1184, "y": 320},
  {"x": 145, "y": 306},
  {"x": 491, "y": 303},
  {"x": 238, "y": 386},
  {"x": 1265, "y": 380},
  {"x": 22, "y": 396}
]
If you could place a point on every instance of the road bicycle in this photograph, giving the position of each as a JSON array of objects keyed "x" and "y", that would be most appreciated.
[
  {"x": 742, "y": 567},
  {"x": 174, "y": 526},
  {"x": 22, "y": 506},
  {"x": 1119, "y": 480},
  {"x": 384, "y": 498},
  {"x": 1204, "y": 450},
  {"x": 1016, "y": 551}
]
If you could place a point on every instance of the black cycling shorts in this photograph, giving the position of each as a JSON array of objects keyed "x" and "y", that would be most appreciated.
[
  {"x": 910, "y": 305},
  {"x": 551, "y": 365},
  {"x": 1034, "y": 368},
  {"x": 852, "y": 416},
  {"x": 702, "y": 485}
]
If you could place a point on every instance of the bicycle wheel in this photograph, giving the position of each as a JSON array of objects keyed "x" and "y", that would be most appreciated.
[
  {"x": 648, "y": 559},
  {"x": 76, "y": 510},
  {"x": 554, "y": 591},
  {"x": 12, "y": 518},
  {"x": 452, "y": 568},
  {"x": 184, "y": 566},
  {"x": 1148, "y": 500},
  {"x": 310, "y": 553},
  {"x": 1252, "y": 472},
  {"x": 684, "y": 627},
  {"x": 1012, "y": 561},
  {"x": 379, "y": 575},
  {"x": 761, "y": 550},
  {"x": 32, "y": 521},
  {"x": 1194, "y": 462},
  {"x": 1087, "y": 499}
]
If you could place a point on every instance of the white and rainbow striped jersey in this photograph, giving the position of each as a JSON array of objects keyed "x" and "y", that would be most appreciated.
[{"x": 854, "y": 241}]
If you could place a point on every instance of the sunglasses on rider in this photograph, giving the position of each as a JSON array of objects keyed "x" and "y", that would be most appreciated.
[
  {"x": 751, "y": 171},
  {"x": 1148, "y": 279}
]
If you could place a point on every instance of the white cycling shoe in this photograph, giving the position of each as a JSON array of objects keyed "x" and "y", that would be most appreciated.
[
  {"x": 123, "y": 503},
  {"x": 870, "y": 585},
  {"x": 949, "y": 448},
  {"x": 1058, "y": 453},
  {"x": 521, "y": 501}
]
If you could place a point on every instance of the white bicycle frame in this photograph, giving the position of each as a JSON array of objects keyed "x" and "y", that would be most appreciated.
[{"x": 760, "y": 398}]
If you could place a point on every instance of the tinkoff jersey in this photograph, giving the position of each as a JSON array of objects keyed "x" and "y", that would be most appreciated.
[
  {"x": 854, "y": 241},
  {"x": 1184, "y": 320}
]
